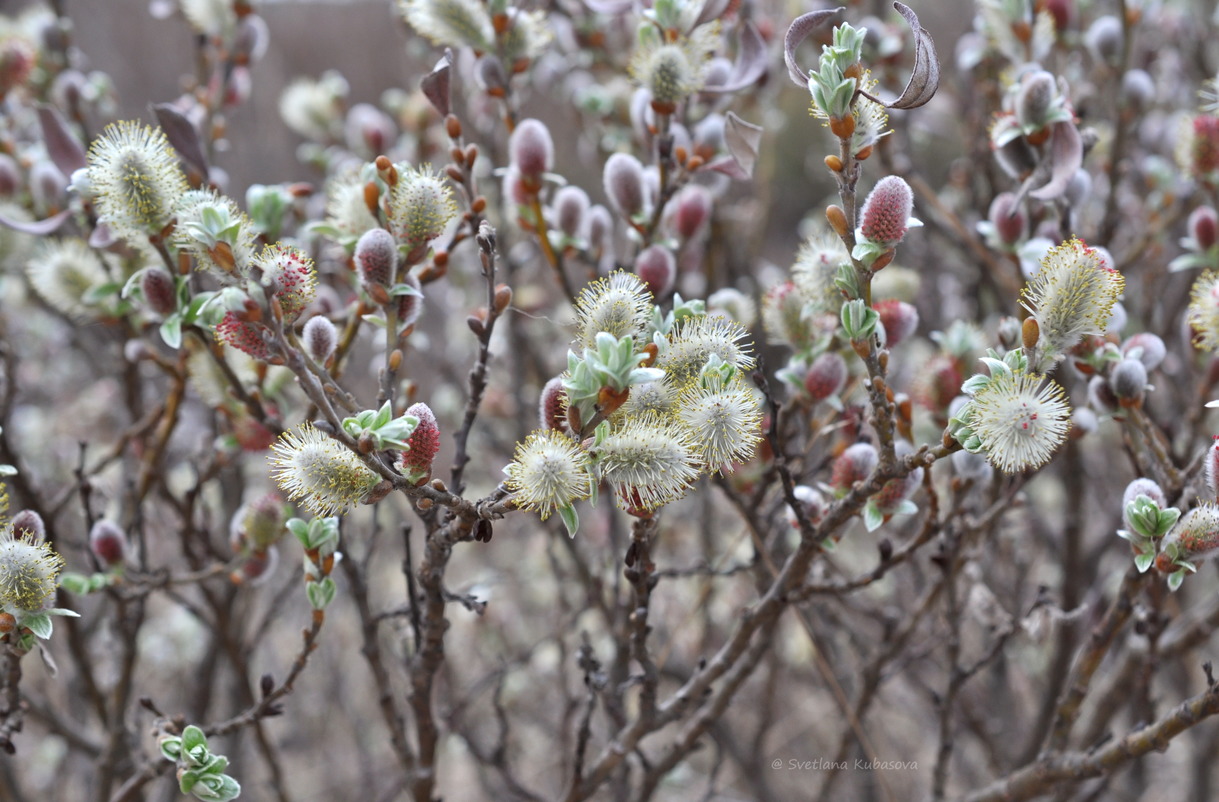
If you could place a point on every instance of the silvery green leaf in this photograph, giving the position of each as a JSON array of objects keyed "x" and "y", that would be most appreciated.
[
  {"x": 1175, "y": 579},
  {"x": 1144, "y": 560},
  {"x": 873, "y": 518},
  {"x": 570, "y": 519},
  {"x": 38, "y": 623}
]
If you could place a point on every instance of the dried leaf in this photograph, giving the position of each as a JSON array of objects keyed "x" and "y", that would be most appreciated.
[
  {"x": 728, "y": 166},
  {"x": 184, "y": 137},
  {"x": 925, "y": 79},
  {"x": 742, "y": 140},
  {"x": 436, "y": 84},
  {"x": 751, "y": 62},
  {"x": 36, "y": 227},
  {"x": 62, "y": 146},
  {"x": 712, "y": 10},
  {"x": 1066, "y": 156},
  {"x": 797, "y": 32}
]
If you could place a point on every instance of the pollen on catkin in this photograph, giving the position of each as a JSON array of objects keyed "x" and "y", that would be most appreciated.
[
  {"x": 1020, "y": 421},
  {"x": 136, "y": 179},
  {"x": 696, "y": 339},
  {"x": 63, "y": 271},
  {"x": 1203, "y": 315},
  {"x": 549, "y": 471},
  {"x": 29, "y": 573},
  {"x": 671, "y": 71},
  {"x": 317, "y": 470},
  {"x": 724, "y": 421},
  {"x": 290, "y": 276},
  {"x": 452, "y": 23},
  {"x": 1071, "y": 296},
  {"x": 420, "y": 205},
  {"x": 650, "y": 462},
  {"x": 618, "y": 304}
]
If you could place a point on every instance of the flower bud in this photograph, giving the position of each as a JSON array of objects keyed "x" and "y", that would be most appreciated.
[
  {"x": 376, "y": 257},
  {"x": 258, "y": 567},
  {"x": 658, "y": 269},
  {"x": 692, "y": 209},
  {"x": 570, "y": 206},
  {"x": 48, "y": 186},
  {"x": 159, "y": 291},
  {"x": 368, "y": 130},
  {"x": 972, "y": 467},
  {"x": 853, "y": 465},
  {"x": 1151, "y": 349},
  {"x": 1104, "y": 39},
  {"x": 1203, "y": 227},
  {"x": 1129, "y": 382},
  {"x": 531, "y": 149},
  {"x": 108, "y": 543},
  {"x": 1211, "y": 469},
  {"x": 623, "y": 179},
  {"x": 424, "y": 442},
  {"x": 1138, "y": 90},
  {"x": 1141, "y": 487},
  {"x": 29, "y": 524},
  {"x": 887, "y": 210},
  {"x": 1078, "y": 188},
  {"x": 600, "y": 230},
  {"x": 320, "y": 338},
  {"x": 811, "y": 500},
  {"x": 826, "y": 377},
  {"x": 258, "y": 524},
  {"x": 1008, "y": 218},
  {"x": 552, "y": 405},
  {"x": 899, "y": 318},
  {"x": 1035, "y": 97}
]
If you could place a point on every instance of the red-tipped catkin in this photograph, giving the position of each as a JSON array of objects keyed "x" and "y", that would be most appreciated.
[
  {"x": 887, "y": 210},
  {"x": 658, "y": 269},
  {"x": 1203, "y": 226},
  {"x": 1204, "y": 150},
  {"x": 623, "y": 179},
  {"x": 1008, "y": 218},
  {"x": 416, "y": 464},
  {"x": 600, "y": 229},
  {"x": 692, "y": 209},
  {"x": 899, "y": 318},
  {"x": 531, "y": 149},
  {"x": 826, "y": 376},
  {"x": 159, "y": 291},
  {"x": 853, "y": 465},
  {"x": 552, "y": 405},
  {"x": 108, "y": 543},
  {"x": 319, "y": 338},
  {"x": 29, "y": 524},
  {"x": 376, "y": 257}
]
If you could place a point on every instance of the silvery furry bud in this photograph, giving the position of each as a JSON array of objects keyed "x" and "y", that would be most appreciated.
[
  {"x": 657, "y": 267},
  {"x": 108, "y": 543},
  {"x": 886, "y": 211},
  {"x": 1035, "y": 98},
  {"x": 826, "y": 376},
  {"x": 320, "y": 338},
  {"x": 853, "y": 465},
  {"x": 29, "y": 524},
  {"x": 531, "y": 149},
  {"x": 159, "y": 291},
  {"x": 570, "y": 206},
  {"x": 1129, "y": 382},
  {"x": 623, "y": 179},
  {"x": 1104, "y": 39},
  {"x": 376, "y": 257},
  {"x": 1008, "y": 218},
  {"x": 1203, "y": 226}
]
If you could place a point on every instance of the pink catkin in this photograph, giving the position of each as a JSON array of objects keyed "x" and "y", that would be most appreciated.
[
  {"x": 424, "y": 441},
  {"x": 886, "y": 211}
]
